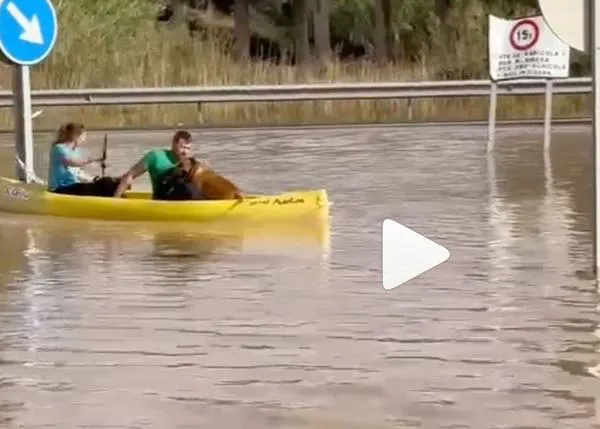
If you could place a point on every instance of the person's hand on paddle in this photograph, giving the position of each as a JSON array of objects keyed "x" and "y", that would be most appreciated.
[{"x": 92, "y": 159}]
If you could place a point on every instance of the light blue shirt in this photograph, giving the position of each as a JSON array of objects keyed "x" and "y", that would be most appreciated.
[{"x": 60, "y": 174}]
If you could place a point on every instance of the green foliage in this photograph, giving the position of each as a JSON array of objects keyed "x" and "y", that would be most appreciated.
[
  {"x": 91, "y": 29},
  {"x": 120, "y": 30},
  {"x": 352, "y": 20},
  {"x": 104, "y": 23}
]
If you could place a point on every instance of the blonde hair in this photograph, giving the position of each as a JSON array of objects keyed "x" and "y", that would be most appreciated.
[{"x": 69, "y": 132}]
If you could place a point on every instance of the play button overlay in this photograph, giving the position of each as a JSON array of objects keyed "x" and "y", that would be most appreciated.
[{"x": 407, "y": 254}]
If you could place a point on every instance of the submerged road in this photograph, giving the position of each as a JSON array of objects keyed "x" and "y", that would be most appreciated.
[{"x": 121, "y": 326}]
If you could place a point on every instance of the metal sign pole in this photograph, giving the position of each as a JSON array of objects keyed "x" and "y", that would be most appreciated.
[
  {"x": 548, "y": 115},
  {"x": 579, "y": 27},
  {"x": 492, "y": 112},
  {"x": 23, "y": 121},
  {"x": 594, "y": 17}
]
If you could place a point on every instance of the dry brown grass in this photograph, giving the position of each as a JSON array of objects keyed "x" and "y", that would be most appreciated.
[{"x": 109, "y": 54}]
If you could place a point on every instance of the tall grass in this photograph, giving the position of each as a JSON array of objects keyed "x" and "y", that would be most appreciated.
[{"x": 117, "y": 43}]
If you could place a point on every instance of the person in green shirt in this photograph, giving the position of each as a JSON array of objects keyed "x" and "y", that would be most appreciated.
[{"x": 158, "y": 163}]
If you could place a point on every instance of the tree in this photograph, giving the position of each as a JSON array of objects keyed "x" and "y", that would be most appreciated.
[
  {"x": 241, "y": 29},
  {"x": 321, "y": 13},
  {"x": 301, "y": 42},
  {"x": 382, "y": 31}
]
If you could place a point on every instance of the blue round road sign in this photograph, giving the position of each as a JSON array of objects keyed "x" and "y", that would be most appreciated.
[{"x": 28, "y": 30}]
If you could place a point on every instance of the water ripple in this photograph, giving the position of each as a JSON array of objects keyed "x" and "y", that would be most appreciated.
[{"x": 110, "y": 326}]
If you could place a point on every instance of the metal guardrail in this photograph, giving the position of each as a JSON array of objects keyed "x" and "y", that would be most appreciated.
[{"x": 311, "y": 92}]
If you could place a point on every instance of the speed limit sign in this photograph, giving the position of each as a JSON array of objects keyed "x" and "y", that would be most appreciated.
[{"x": 524, "y": 35}]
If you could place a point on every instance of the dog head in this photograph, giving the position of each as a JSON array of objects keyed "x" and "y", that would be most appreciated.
[
  {"x": 213, "y": 185},
  {"x": 188, "y": 167}
]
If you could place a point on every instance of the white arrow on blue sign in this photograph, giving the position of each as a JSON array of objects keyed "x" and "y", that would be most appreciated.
[{"x": 28, "y": 30}]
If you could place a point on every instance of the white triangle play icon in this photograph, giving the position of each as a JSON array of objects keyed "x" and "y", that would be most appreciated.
[{"x": 407, "y": 254}]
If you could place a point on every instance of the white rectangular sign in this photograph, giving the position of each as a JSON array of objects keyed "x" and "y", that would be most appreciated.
[{"x": 525, "y": 48}]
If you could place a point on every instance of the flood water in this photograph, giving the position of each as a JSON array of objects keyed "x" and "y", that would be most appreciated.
[{"x": 108, "y": 325}]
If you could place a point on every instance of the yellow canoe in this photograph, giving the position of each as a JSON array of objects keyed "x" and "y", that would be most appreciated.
[{"x": 31, "y": 198}]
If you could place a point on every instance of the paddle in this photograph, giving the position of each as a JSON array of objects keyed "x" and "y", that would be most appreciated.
[{"x": 104, "y": 150}]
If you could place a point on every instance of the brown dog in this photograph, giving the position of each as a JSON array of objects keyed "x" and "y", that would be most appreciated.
[
  {"x": 105, "y": 186},
  {"x": 212, "y": 185}
]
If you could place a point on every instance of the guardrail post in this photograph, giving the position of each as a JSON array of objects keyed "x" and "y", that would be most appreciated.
[
  {"x": 548, "y": 114},
  {"x": 199, "y": 113},
  {"x": 493, "y": 106}
]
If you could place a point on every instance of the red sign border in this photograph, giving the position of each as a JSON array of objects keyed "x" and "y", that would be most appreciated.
[{"x": 536, "y": 35}]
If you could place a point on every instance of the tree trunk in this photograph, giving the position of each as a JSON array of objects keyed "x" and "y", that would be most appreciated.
[
  {"x": 446, "y": 39},
  {"x": 389, "y": 30},
  {"x": 241, "y": 30},
  {"x": 301, "y": 44},
  {"x": 380, "y": 32},
  {"x": 442, "y": 11},
  {"x": 321, "y": 13}
]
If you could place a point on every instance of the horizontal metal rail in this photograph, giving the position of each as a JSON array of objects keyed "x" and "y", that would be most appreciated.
[{"x": 311, "y": 92}]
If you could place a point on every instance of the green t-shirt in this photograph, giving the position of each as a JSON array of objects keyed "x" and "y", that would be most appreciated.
[{"x": 159, "y": 162}]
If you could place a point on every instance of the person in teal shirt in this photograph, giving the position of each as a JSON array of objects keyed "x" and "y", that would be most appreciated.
[
  {"x": 159, "y": 164},
  {"x": 66, "y": 161}
]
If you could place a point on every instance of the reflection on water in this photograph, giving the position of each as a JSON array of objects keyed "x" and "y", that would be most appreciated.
[{"x": 113, "y": 325}]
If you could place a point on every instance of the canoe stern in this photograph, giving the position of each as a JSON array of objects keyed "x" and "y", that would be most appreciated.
[{"x": 19, "y": 197}]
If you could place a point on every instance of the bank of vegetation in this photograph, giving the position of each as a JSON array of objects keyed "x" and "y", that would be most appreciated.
[{"x": 139, "y": 43}]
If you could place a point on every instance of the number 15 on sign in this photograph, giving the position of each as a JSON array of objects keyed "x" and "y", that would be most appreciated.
[{"x": 524, "y": 35}]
